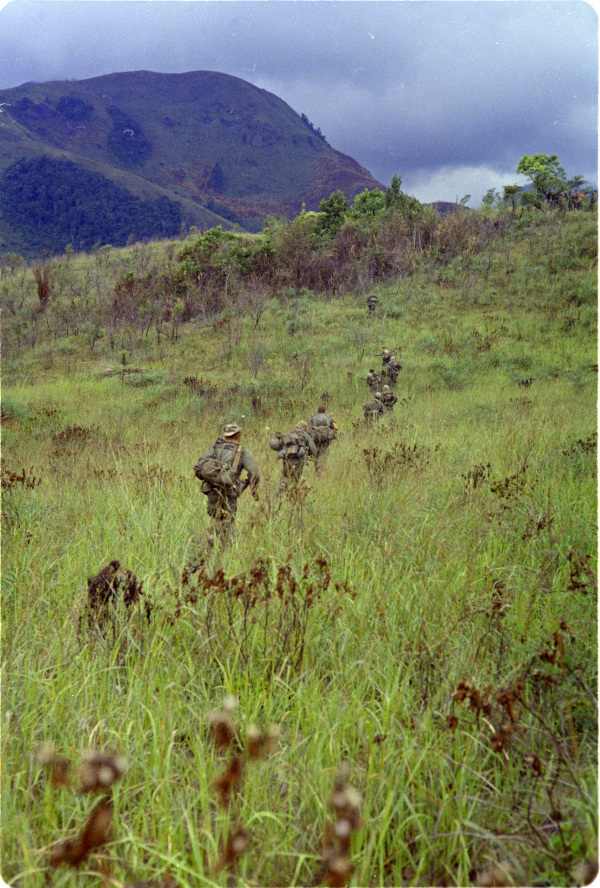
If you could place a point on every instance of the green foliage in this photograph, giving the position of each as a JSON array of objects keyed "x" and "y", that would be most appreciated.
[
  {"x": 368, "y": 203},
  {"x": 216, "y": 181},
  {"x": 544, "y": 172},
  {"x": 393, "y": 193},
  {"x": 52, "y": 203},
  {"x": 74, "y": 109},
  {"x": 333, "y": 212},
  {"x": 491, "y": 197},
  {"x": 509, "y": 195},
  {"x": 126, "y": 139}
]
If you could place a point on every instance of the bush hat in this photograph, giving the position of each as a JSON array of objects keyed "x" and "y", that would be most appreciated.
[{"x": 230, "y": 430}]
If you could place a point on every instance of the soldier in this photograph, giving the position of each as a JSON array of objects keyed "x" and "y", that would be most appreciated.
[
  {"x": 393, "y": 368},
  {"x": 372, "y": 303},
  {"x": 373, "y": 381},
  {"x": 322, "y": 430},
  {"x": 293, "y": 448},
  {"x": 385, "y": 356},
  {"x": 219, "y": 469},
  {"x": 388, "y": 399},
  {"x": 373, "y": 409}
]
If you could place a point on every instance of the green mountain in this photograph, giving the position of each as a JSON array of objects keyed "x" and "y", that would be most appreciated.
[{"x": 199, "y": 148}]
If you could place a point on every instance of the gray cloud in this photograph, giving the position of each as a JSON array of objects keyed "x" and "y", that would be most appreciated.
[{"x": 430, "y": 90}]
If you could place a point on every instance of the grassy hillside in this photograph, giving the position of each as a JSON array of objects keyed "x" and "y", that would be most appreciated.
[
  {"x": 424, "y": 613},
  {"x": 208, "y": 141}
]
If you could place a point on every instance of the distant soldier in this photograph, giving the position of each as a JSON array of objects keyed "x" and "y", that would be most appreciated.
[
  {"x": 219, "y": 469},
  {"x": 293, "y": 448},
  {"x": 593, "y": 197},
  {"x": 372, "y": 303},
  {"x": 388, "y": 399},
  {"x": 393, "y": 369},
  {"x": 385, "y": 355},
  {"x": 373, "y": 381},
  {"x": 322, "y": 430},
  {"x": 373, "y": 409}
]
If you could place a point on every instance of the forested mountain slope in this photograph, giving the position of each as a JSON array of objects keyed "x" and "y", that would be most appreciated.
[{"x": 216, "y": 146}]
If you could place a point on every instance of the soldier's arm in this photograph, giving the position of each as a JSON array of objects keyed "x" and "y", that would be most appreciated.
[
  {"x": 251, "y": 466},
  {"x": 311, "y": 445}
]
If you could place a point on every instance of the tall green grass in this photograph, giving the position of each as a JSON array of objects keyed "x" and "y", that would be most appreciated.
[{"x": 447, "y": 581}]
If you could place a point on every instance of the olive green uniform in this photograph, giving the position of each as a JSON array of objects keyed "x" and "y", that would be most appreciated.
[
  {"x": 222, "y": 506},
  {"x": 373, "y": 409},
  {"x": 373, "y": 381},
  {"x": 388, "y": 400},
  {"x": 393, "y": 368},
  {"x": 321, "y": 420},
  {"x": 293, "y": 464}
]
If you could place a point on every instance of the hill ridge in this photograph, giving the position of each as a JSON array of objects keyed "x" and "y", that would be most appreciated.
[{"x": 204, "y": 137}]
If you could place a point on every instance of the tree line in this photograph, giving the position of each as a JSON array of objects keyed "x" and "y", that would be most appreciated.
[{"x": 51, "y": 203}]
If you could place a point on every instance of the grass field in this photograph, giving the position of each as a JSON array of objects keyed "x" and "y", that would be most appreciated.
[{"x": 423, "y": 614}]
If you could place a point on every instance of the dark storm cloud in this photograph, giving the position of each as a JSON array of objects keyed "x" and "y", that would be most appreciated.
[{"x": 448, "y": 94}]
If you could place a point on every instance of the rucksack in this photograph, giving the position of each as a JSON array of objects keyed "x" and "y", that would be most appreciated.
[
  {"x": 371, "y": 408},
  {"x": 292, "y": 444},
  {"x": 320, "y": 430},
  {"x": 220, "y": 473}
]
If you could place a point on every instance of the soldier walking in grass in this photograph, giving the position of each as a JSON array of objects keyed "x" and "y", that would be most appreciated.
[
  {"x": 393, "y": 369},
  {"x": 388, "y": 399},
  {"x": 373, "y": 409},
  {"x": 372, "y": 303},
  {"x": 219, "y": 469},
  {"x": 322, "y": 430},
  {"x": 385, "y": 356},
  {"x": 373, "y": 381},
  {"x": 293, "y": 448}
]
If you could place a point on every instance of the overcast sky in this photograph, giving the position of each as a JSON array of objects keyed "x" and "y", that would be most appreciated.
[{"x": 446, "y": 93}]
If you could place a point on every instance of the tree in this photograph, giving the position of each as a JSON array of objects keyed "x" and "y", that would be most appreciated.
[
  {"x": 510, "y": 195},
  {"x": 545, "y": 174},
  {"x": 216, "y": 181},
  {"x": 392, "y": 194},
  {"x": 490, "y": 197},
  {"x": 368, "y": 203},
  {"x": 334, "y": 212}
]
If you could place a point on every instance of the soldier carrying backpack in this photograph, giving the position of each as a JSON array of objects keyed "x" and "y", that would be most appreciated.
[
  {"x": 373, "y": 380},
  {"x": 322, "y": 430},
  {"x": 219, "y": 469},
  {"x": 388, "y": 399},
  {"x": 393, "y": 368},
  {"x": 293, "y": 448},
  {"x": 373, "y": 409}
]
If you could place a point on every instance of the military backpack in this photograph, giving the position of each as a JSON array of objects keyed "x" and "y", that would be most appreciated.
[
  {"x": 293, "y": 444},
  {"x": 320, "y": 429},
  {"x": 221, "y": 473}
]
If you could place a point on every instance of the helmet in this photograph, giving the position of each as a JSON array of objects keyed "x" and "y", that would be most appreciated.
[
  {"x": 302, "y": 425},
  {"x": 378, "y": 394},
  {"x": 386, "y": 388}
]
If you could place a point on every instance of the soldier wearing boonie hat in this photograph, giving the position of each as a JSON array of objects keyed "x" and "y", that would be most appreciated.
[{"x": 222, "y": 503}]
